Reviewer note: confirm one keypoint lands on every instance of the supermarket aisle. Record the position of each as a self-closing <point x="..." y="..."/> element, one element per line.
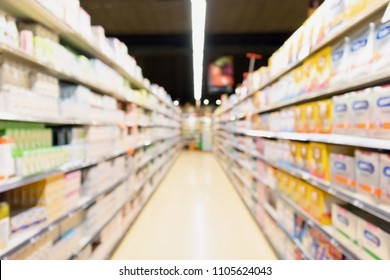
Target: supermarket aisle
<point x="195" y="214"/>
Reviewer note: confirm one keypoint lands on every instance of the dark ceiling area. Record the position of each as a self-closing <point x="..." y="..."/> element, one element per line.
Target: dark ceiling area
<point x="158" y="34"/>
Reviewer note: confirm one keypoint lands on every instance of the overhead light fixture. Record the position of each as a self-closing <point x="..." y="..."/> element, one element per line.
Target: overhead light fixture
<point x="198" y="16"/>
<point x="206" y="102"/>
<point x="218" y="102"/>
<point x="176" y="103"/>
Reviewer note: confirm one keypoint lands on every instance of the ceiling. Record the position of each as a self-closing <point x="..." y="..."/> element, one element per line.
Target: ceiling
<point x="158" y="34"/>
<point x="141" y="17"/>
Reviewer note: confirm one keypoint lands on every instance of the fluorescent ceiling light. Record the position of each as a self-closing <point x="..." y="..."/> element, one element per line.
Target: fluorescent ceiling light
<point x="176" y="103"/>
<point x="206" y="102"/>
<point x="198" y="16"/>
<point x="218" y="102"/>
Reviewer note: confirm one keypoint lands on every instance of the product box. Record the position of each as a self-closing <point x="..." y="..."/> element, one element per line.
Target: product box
<point x="309" y="73"/>
<point x="336" y="16"/>
<point x="381" y="112"/>
<point x="384" y="179"/>
<point x="312" y="117"/>
<point x="303" y="156"/>
<point x="342" y="167"/>
<point x="374" y="236"/>
<point x="294" y="153"/>
<point x="319" y="160"/>
<point x="4" y="224"/>
<point x="361" y="111"/>
<point x="341" y="114"/>
<point x="321" y="205"/>
<point x="300" y="118"/>
<point x="362" y="52"/>
<point x="367" y="172"/>
<point x="325" y="116"/>
<point x="322" y="68"/>
<point x="382" y="46"/>
<point x="340" y="62"/>
<point x="345" y="221"/>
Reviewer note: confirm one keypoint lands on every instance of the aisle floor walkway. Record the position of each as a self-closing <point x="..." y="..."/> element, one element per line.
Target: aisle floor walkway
<point x="195" y="214"/>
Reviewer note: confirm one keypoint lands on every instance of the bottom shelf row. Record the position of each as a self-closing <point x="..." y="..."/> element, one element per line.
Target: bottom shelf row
<point x="94" y="231"/>
<point x="296" y="234"/>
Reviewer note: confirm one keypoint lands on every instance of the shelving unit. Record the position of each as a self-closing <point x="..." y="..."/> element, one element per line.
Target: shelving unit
<point x="146" y="147"/>
<point x="246" y="125"/>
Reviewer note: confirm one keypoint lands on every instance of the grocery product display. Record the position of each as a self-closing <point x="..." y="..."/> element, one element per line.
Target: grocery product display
<point x="306" y="141"/>
<point x="85" y="139"/>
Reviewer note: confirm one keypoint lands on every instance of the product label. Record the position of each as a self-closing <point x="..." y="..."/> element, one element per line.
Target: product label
<point x="386" y="171"/>
<point x="342" y="219"/>
<point x="360" y="105"/>
<point x="383" y="102"/>
<point x="366" y="166"/>
<point x="383" y="32"/>
<point x="372" y="238"/>
<point x="337" y="55"/>
<point x="358" y="44"/>
<point x="339" y="108"/>
<point x="340" y="166"/>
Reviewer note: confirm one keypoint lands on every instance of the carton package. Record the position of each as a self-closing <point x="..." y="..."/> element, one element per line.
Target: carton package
<point x="325" y="112"/>
<point x="362" y="52"/>
<point x="321" y="205"/>
<point x="341" y="114"/>
<point x="345" y="221"/>
<point x="374" y="236"/>
<point x="367" y="172"/>
<point x="361" y="110"/>
<point x="384" y="179"/>
<point x="382" y="47"/>
<point x="319" y="160"/>
<point x="380" y="113"/>
<point x="342" y="167"/>
<point x="340" y="62"/>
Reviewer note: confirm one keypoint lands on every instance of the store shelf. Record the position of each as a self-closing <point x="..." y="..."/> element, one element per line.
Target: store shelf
<point x="146" y="125"/>
<point x="328" y="231"/>
<point x="381" y="211"/>
<point x="33" y="10"/>
<point x="111" y="252"/>
<point x="337" y="139"/>
<point x="338" y="35"/>
<point x="271" y="212"/>
<point x="20" y="118"/>
<point x="32" y="236"/>
<point x="19" y="182"/>
<point x="56" y="72"/>
<point x="89" y="239"/>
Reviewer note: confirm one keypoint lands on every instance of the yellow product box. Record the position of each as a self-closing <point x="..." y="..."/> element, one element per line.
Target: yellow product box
<point x="319" y="160"/>
<point x="303" y="156"/>
<point x="282" y="182"/>
<point x="294" y="153"/>
<point x="306" y="201"/>
<point x="325" y="116"/>
<point x="298" y="80"/>
<point x="309" y="73"/>
<point x="302" y="190"/>
<point x="292" y="186"/>
<point x="312" y="117"/>
<point x="4" y="224"/>
<point x="323" y="61"/>
<point x="300" y="118"/>
<point x="321" y="206"/>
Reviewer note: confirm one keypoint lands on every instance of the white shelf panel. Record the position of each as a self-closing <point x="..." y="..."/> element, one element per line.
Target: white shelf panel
<point x="338" y="139"/>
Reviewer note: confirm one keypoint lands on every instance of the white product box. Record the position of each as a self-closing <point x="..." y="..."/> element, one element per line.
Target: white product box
<point x="342" y="171"/>
<point x="345" y="221"/>
<point x="361" y="109"/>
<point x="382" y="47"/>
<point x="374" y="236"/>
<point x="385" y="177"/>
<point x="341" y="114"/>
<point x="367" y="172"/>
<point x="340" y="62"/>
<point x="381" y="112"/>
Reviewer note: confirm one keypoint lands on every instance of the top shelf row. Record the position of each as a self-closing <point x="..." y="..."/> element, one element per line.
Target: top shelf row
<point x="73" y="25"/>
<point x="333" y="21"/>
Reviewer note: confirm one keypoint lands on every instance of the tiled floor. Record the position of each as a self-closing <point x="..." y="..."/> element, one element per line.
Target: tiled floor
<point x="195" y="214"/>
